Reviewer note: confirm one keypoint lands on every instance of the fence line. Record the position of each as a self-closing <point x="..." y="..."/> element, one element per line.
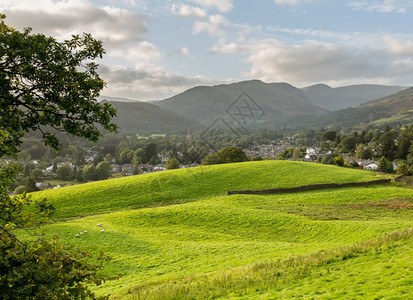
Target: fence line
<point x="311" y="187"/>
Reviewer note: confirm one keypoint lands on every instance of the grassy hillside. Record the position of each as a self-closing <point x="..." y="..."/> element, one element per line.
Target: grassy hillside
<point x="184" y="185"/>
<point x="146" y="118"/>
<point x="277" y="100"/>
<point x="347" y="96"/>
<point x="204" y="244"/>
<point x="397" y="108"/>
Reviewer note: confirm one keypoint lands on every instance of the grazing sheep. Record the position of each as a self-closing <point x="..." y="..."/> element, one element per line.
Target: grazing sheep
<point x="81" y="233"/>
<point x="85" y="231"/>
<point x="77" y="235"/>
<point x="103" y="230"/>
<point x="100" y="224"/>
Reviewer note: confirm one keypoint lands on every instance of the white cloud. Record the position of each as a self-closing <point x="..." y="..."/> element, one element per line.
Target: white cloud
<point x="221" y="5"/>
<point x="116" y="27"/>
<point x="147" y="83"/>
<point x="212" y="27"/>
<point x="312" y="62"/>
<point x="383" y="6"/>
<point x="187" y="11"/>
<point x="143" y="52"/>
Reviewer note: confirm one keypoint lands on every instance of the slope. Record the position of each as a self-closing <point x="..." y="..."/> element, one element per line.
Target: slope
<point x="169" y="187"/>
<point x="176" y="226"/>
<point x="397" y="108"/>
<point x="277" y="100"/>
<point x="347" y="96"/>
<point x="143" y="118"/>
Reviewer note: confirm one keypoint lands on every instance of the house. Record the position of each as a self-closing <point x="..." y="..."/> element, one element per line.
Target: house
<point x="127" y="169"/>
<point x="159" y="167"/>
<point x="43" y="186"/>
<point x="372" y="166"/>
<point x="311" y="154"/>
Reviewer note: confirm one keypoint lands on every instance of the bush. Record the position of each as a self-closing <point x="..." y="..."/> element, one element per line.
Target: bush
<point x="225" y="155"/>
<point x="339" y="161"/>
<point x="19" y="190"/>
<point x="172" y="163"/>
<point x="65" y="172"/>
<point x="402" y="169"/>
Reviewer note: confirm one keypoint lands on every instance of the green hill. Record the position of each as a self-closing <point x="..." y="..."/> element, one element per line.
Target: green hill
<point x="397" y="108"/>
<point x="146" y="118"/>
<point x="277" y="100"/>
<point x="347" y="96"/>
<point x="280" y="103"/>
<point x="175" y="235"/>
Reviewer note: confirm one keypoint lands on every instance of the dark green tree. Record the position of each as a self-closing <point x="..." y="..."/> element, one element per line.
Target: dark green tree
<point x="225" y="155"/>
<point x="172" y="163"/>
<point x="65" y="172"/>
<point x="37" y="174"/>
<point x="339" y="161"/>
<point x="89" y="173"/>
<point x="45" y="86"/>
<point x="349" y="143"/>
<point x="103" y="170"/>
<point x="329" y="135"/>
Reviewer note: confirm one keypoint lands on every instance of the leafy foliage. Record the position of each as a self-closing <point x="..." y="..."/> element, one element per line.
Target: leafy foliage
<point x="45" y="84"/>
<point x="226" y="155"/>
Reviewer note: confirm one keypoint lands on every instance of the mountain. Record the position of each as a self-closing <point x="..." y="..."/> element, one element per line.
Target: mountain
<point x="396" y="108"/>
<point x="269" y="100"/>
<point x="141" y="117"/>
<point x="275" y="104"/>
<point x="117" y="99"/>
<point x="348" y="96"/>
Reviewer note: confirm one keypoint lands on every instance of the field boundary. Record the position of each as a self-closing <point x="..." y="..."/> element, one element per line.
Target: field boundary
<point x="311" y="187"/>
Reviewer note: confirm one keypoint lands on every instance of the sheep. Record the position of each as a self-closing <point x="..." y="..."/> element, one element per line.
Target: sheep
<point x="77" y="235"/>
<point x="100" y="224"/>
<point x="85" y="231"/>
<point x="103" y="230"/>
<point x="81" y="233"/>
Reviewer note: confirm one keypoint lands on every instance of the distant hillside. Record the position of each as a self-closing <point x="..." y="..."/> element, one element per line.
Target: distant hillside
<point x="143" y="117"/>
<point x="397" y="108"/>
<point x="276" y="100"/>
<point x="281" y="103"/>
<point x="117" y="99"/>
<point x="347" y="96"/>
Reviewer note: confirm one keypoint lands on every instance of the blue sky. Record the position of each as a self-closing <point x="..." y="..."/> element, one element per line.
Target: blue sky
<point x="156" y="49"/>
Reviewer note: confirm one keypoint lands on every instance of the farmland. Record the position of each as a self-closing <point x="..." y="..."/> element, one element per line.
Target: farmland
<point x="175" y="233"/>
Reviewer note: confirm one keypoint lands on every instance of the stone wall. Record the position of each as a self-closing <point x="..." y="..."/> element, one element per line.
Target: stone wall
<point x="311" y="187"/>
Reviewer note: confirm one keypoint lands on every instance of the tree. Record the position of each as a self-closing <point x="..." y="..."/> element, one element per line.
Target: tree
<point x="103" y="170"/>
<point x="30" y="185"/>
<point x="385" y="165"/>
<point x="225" y="155"/>
<point x="172" y="163"/>
<point x="402" y="169"/>
<point x="45" y="85"/>
<point x="89" y="173"/>
<point x="349" y="143"/>
<point x="37" y="174"/>
<point x="65" y="172"/>
<point x="329" y="135"/>
<point x="387" y="144"/>
<point x="364" y="152"/>
<point x="339" y="161"/>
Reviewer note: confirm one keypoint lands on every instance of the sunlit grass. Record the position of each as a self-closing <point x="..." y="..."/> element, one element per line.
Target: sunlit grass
<point x="178" y="186"/>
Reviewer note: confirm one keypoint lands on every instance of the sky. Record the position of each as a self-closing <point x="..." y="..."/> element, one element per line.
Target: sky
<point x="156" y="49"/>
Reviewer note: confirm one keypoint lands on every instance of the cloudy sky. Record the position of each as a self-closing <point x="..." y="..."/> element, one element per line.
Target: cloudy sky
<point x="155" y="49"/>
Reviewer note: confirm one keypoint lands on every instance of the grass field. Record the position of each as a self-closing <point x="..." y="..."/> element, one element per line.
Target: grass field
<point x="175" y="235"/>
